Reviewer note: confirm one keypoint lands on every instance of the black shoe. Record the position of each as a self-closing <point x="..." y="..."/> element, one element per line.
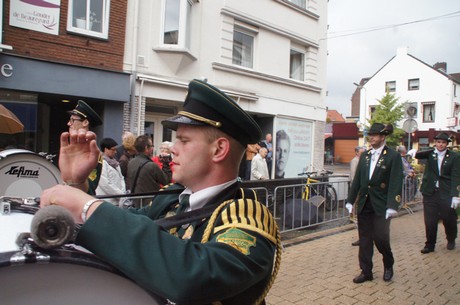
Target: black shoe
<point x="426" y="250"/>
<point x="451" y="245"/>
<point x="362" y="278"/>
<point x="388" y="274"/>
<point x="355" y="243"/>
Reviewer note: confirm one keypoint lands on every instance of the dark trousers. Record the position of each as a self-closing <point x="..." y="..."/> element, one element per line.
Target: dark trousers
<point x="373" y="229"/>
<point x="435" y="209"/>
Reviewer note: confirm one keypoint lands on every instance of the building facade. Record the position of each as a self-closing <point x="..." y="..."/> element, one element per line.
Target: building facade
<point x="267" y="55"/>
<point x="51" y="57"/>
<point x="430" y="96"/>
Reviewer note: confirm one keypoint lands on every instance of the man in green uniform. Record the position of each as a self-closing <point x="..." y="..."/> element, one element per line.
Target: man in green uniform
<point x="82" y="118"/>
<point x="376" y="189"/>
<point x="441" y="191"/>
<point x="226" y="251"/>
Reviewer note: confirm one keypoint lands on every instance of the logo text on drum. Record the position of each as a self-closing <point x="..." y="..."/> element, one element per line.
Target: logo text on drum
<point x="22" y="172"/>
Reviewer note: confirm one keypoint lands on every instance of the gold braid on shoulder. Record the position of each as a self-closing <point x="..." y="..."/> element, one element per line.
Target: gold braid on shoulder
<point x="258" y="219"/>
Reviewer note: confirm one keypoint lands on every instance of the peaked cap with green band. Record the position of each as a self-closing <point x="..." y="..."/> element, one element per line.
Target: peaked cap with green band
<point x="84" y="111"/>
<point x="207" y="105"/>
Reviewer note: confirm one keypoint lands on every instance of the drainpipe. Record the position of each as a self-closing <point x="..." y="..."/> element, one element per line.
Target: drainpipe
<point x="132" y="114"/>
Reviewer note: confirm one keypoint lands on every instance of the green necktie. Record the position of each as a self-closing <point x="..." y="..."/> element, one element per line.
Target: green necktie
<point x="183" y="204"/>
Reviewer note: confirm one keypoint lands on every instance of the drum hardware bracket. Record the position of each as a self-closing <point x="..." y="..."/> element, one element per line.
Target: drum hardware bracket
<point x="29" y="205"/>
<point x="27" y="251"/>
<point x="5" y="208"/>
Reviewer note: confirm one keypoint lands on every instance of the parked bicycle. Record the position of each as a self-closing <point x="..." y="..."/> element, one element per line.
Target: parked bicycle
<point x="318" y="191"/>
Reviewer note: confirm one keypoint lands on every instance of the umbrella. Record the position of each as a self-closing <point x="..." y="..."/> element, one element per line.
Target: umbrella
<point x="9" y="122"/>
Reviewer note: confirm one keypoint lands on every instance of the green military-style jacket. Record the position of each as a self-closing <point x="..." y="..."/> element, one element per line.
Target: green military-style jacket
<point x="385" y="186"/>
<point x="448" y="178"/>
<point x="233" y="266"/>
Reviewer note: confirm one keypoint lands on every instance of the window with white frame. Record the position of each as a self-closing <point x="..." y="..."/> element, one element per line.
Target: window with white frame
<point x="390" y="86"/>
<point x="89" y="17"/>
<point x="301" y="3"/>
<point x="176" y="23"/>
<point x="429" y="112"/>
<point x="414" y="84"/>
<point x="243" y="47"/>
<point x="297" y="65"/>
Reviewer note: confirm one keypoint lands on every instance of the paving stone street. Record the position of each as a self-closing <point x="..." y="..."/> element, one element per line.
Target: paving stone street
<point x="319" y="268"/>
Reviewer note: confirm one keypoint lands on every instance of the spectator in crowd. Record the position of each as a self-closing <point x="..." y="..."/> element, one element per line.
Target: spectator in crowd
<point x="251" y="151"/>
<point x="283" y="147"/>
<point x="259" y="169"/>
<point x="410" y="184"/>
<point x="378" y="184"/>
<point x="112" y="181"/>
<point x="441" y="191"/>
<point x="164" y="156"/>
<point x="127" y="142"/>
<point x="82" y="117"/>
<point x="267" y="143"/>
<point x="126" y="152"/>
<point x="353" y="165"/>
<point x="228" y="254"/>
<point x="144" y="175"/>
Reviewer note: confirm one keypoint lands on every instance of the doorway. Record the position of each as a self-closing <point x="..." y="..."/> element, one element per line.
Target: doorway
<point x="157" y="132"/>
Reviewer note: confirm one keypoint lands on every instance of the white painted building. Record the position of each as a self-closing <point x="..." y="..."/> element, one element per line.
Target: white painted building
<point x="269" y="55"/>
<point x="431" y="96"/>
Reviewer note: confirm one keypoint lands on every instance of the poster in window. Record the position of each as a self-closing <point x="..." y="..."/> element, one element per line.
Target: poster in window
<point x="293" y="147"/>
<point x="36" y="15"/>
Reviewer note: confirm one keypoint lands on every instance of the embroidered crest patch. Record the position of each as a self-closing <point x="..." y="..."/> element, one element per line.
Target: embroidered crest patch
<point x="237" y="239"/>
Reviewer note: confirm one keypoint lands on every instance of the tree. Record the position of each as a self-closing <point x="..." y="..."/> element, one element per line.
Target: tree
<point x="389" y="111"/>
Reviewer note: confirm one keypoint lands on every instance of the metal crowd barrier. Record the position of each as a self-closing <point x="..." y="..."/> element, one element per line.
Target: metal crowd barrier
<point x="293" y="209"/>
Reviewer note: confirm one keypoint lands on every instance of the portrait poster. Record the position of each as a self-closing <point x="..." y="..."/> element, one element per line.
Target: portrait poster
<point x="36" y="15"/>
<point x="292" y="147"/>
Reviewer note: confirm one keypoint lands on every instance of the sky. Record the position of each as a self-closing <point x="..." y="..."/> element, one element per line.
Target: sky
<point x="353" y="57"/>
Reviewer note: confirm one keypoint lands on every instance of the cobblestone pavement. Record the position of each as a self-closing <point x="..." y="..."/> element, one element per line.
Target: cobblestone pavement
<point x="318" y="269"/>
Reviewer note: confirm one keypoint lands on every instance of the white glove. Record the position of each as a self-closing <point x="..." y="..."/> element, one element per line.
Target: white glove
<point x="349" y="207"/>
<point x="455" y="202"/>
<point x="391" y="213"/>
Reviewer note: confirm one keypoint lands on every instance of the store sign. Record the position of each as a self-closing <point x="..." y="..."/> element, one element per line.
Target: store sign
<point x="6" y="70"/>
<point x="452" y="122"/>
<point x="36" y="15"/>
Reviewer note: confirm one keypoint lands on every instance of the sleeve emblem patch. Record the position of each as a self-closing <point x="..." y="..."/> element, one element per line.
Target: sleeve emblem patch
<point x="237" y="239"/>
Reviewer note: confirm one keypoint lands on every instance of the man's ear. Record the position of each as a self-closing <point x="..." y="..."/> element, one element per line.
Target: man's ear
<point x="85" y="123"/>
<point x="221" y="149"/>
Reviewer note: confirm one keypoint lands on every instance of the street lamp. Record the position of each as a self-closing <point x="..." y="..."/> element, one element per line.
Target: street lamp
<point x="362" y="119"/>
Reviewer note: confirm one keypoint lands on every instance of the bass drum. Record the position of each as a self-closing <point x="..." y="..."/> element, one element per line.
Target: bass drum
<point x="26" y="174"/>
<point x="66" y="277"/>
<point x="11" y="225"/>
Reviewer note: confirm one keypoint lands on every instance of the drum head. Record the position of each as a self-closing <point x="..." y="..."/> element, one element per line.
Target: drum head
<point x="26" y="174"/>
<point x="73" y="281"/>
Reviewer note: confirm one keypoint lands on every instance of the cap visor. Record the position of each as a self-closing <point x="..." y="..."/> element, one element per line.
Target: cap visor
<point x="174" y="121"/>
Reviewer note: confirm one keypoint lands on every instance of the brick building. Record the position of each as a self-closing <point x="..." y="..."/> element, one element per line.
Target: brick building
<point x="51" y="57"/>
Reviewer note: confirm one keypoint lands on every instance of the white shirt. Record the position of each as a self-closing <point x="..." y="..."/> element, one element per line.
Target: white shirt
<point x="375" y="155"/>
<point x="201" y="198"/>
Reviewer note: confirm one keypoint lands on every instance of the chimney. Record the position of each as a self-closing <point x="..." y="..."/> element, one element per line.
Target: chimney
<point x="441" y="66"/>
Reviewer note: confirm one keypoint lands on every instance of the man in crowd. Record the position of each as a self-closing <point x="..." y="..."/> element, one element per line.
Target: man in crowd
<point x="259" y="168"/>
<point x="82" y="118"/>
<point x="144" y="175"/>
<point x="441" y="191"/>
<point x="378" y="184"/>
<point x="267" y="143"/>
<point x="225" y="251"/>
